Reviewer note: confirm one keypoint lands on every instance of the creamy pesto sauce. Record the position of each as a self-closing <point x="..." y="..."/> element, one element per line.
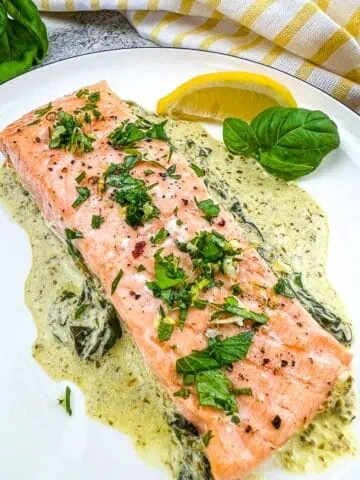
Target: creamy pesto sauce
<point x="280" y="218"/>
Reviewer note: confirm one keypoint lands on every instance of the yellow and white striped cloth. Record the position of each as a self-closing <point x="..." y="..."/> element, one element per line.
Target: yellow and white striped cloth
<point x="317" y="41"/>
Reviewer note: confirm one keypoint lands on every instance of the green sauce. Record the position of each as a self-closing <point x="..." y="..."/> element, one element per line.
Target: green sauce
<point x="291" y="232"/>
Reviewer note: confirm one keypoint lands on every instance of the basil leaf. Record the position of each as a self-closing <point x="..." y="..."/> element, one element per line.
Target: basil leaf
<point x="84" y="194"/>
<point x="293" y="141"/>
<point x="168" y="274"/>
<point x="209" y="208"/>
<point x="213" y="388"/>
<point x="239" y="137"/>
<point x="231" y="307"/>
<point x="116" y="281"/>
<point x="97" y="221"/>
<point x="23" y="37"/>
<point x="199" y="171"/>
<point x="218" y="354"/>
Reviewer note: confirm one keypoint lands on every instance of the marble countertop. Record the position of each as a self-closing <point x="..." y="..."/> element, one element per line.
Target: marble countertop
<point x="84" y="32"/>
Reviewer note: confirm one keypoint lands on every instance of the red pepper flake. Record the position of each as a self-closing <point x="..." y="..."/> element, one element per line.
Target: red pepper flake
<point x="139" y="249"/>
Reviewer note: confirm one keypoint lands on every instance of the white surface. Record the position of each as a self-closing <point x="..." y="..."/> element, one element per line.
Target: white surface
<point x="38" y="441"/>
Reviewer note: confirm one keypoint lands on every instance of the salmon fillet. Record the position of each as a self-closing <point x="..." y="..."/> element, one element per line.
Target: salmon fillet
<point x="292" y="365"/>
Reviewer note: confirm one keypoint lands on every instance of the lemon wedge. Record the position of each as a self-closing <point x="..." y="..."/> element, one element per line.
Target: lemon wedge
<point x="216" y="96"/>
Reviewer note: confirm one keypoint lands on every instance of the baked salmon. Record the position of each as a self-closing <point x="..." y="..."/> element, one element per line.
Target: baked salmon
<point x="142" y="221"/>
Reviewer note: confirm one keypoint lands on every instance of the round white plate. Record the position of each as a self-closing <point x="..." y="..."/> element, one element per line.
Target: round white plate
<point x="38" y="441"/>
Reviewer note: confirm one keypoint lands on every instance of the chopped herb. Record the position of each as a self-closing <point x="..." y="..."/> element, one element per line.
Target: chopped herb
<point x="83" y="195"/>
<point x="72" y="234"/>
<point x="141" y="268"/>
<point x="93" y="97"/>
<point x="182" y="393"/>
<point x="218" y="354"/>
<point x="80" y="177"/>
<point x="116" y="281"/>
<point x="209" y="208"/>
<point x="65" y="401"/>
<point x="82" y="92"/>
<point x="128" y="133"/>
<point x="214" y="389"/>
<point x="87" y="117"/>
<point x="148" y="172"/>
<point x="242" y="391"/>
<point x="204" y="152"/>
<point x="199" y="171"/>
<point x="171" y="172"/>
<point x="236" y="289"/>
<point x="97" y="221"/>
<point x="284" y="288"/>
<point x="207" y="437"/>
<point x="161" y="235"/>
<point x="175" y="211"/>
<point x="179" y="222"/>
<point x="235" y="419"/>
<point x="67" y="133"/>
<point x="79" y="311"/>
<point x="34" y="122"/>
<point x="231" y="307"/>
<point x="43" y="111"/>
<point x="165" y="327"/>
<point x="168" y="274"/>
<point x="157" y="131"/>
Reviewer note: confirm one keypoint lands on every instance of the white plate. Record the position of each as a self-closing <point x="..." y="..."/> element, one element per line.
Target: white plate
<point x="37" y="441"/>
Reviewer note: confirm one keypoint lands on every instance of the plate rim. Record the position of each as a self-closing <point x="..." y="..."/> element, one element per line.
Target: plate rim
<point x="121" y="49"/>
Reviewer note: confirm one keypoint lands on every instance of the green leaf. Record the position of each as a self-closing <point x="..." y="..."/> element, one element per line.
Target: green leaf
<point x="199" y="171"/>
<point x="242" y="391"/>
<point x="293" y="141"/>
<point x="23" y="38"/>
<point x="231" y="307"/>
<point x="43" y="111"/>
<point x="171" y="172"/>
<point x="165" y="327"/>
<point x="79" y="311"/>
<point x="214" y="390"/>
<point x="67" y="133"/>
<point x="207" y="437"/>
<point x="116" y="281"/>
<point x="236" y="289"/>
<point x="65" y="401"/>
<point x="182" y="393"/>
<point x="209" y="208"/>
<point x="284" y="288"/>
<point x="97" y="221"/>
<point x="239" y="137"/>
<point x="84" y="194"/>
<point x="72" y="234"/>
<point x="157" y="131"/>
<point x="168" y="274"/>
<point x="161" y="235"/>
<point x="218" y="354"/>
<point x="80" y="177"/>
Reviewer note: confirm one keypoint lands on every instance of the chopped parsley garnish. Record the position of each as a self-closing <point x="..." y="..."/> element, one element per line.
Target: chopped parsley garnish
<point x="97" y="221"/>
<point x="235" y="419"/>
<point x="161" y="235"/>
<point x="83" y="195"/>
<point x="141" y="268"/>
<point x="165" y="327"/>
<point x="231" y="308"/>
<point x="129" y="133"/>
<point x="80" y="177"/>
<point x="82" y="92"/>
<point x="72" y="234"/>
<point x="199" y="171"/>
<point x="284" y="288"/>
<point x="148" y="172"/>
<point x="203" y="369"/>
<point x="65" y="401"/>
<point x="179" y="222"/>
<point x="236" y="289"/>
<point x="243" y="391"/>
<point x="210" y="253"/>
<point x="93" y="97"/>
<point x="171" y="286"/>
<point x="182" y="393"/>
<point x="207" y="437"/>
<point x="43" y="111"/>
<point x="209" y="208"/>
<point x="116" y="281"/>
<point x="67" y="133"/>
<point x="171" y="172"/>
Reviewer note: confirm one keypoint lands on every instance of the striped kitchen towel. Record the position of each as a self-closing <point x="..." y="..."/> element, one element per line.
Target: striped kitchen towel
<point x="317" y="41"/>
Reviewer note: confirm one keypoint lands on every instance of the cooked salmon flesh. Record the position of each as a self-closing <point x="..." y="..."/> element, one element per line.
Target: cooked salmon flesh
<point x="180" y="273"/>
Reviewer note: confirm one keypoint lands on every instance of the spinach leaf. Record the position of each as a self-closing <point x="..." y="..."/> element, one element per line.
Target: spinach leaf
<point x="239" y="137"/>
<point x="290" y="142"/>
<point x="23" y="37"/>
